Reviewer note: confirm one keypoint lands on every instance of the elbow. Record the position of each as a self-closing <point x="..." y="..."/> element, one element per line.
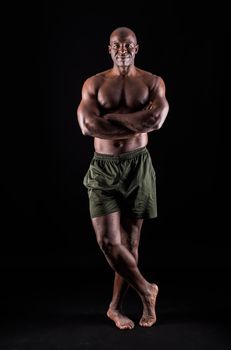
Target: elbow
<point x="157" y="126"/>
<point x="85" y="127"/>
<point x="85" y="132"/>
<point x="159" y="120"/>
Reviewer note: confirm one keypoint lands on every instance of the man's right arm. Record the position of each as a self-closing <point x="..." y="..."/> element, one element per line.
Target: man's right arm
<point x="91" y="122"/>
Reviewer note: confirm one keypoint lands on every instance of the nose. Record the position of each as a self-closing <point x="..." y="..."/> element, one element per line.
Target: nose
<point x="123" y="48"/>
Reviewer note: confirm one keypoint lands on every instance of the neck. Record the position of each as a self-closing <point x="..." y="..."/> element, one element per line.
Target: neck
<point x="124" y="70"/>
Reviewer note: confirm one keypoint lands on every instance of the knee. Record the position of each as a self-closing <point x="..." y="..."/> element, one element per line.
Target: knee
<point x="106" y="245"/>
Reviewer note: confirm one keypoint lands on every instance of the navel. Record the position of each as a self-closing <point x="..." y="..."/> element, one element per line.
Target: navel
<point x="118" y="144"/>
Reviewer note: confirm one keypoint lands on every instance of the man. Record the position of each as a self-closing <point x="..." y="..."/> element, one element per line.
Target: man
<point x="119" y="107"/>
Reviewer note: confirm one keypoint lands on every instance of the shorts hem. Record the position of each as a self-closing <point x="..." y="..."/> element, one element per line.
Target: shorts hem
<point x="104" y="214"/>
<point x="144" y="217"/>
<point x="136" y="216"/>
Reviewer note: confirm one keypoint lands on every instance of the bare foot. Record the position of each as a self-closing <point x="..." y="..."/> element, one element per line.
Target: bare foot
<point x="121" y="321"/>
<point x="149" y="314"/>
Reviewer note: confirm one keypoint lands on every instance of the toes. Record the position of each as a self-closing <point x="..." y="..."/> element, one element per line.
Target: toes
<point x="126" y="326"/>
<point x="147" y="323"/>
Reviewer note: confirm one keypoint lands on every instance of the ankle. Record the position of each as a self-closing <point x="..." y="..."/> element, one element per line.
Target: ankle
<point x="114" y="306"/>
<point x="147" y="291"/>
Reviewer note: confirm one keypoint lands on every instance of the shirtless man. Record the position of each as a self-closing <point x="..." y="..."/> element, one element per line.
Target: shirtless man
<point x="119" y="107"/>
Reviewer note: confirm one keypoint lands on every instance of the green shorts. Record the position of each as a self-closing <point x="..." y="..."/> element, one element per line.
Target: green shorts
<point x="125" y="183"/>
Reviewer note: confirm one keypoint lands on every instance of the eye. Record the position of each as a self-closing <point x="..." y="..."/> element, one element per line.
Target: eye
<point x="130" y="46"/>
<point x="115" y="46"/>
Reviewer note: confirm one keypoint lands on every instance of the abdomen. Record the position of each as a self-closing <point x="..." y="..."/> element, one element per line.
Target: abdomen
<point x="116" y="147"/>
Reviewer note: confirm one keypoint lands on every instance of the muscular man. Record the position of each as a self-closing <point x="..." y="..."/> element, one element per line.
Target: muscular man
<point x="119" y="107"/>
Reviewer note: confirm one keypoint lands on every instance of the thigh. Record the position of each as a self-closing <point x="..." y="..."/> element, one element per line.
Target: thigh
<point x="107" y="228"/>
<point x="130" y="231"/>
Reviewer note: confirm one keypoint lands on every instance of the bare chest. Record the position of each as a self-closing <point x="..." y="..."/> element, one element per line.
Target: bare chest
<point x="122" y="92"/>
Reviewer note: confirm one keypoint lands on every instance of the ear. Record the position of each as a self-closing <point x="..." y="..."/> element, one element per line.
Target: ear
<point x="136" y="48"/>
<point x="109" y="49"/>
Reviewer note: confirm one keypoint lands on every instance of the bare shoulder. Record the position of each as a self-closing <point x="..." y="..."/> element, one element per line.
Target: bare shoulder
<point x="91" y="81"/>
<point x="151" y="79"/>
<point x="92" y="84"/>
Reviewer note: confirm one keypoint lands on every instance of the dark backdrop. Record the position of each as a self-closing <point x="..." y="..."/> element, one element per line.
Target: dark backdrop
<point x="46" y="224"/>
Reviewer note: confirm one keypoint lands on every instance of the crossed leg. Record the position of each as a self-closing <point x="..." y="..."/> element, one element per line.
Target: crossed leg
<point x="130" y="229"/>
<point x="119" y="240"/>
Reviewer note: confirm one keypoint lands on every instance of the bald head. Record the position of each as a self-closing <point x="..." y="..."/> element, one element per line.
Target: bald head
<point x="123" y="47"/>
<point x="122" y="33"/>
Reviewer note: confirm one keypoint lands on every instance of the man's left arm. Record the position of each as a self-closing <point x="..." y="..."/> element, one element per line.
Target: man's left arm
<point x="151" y="117"/>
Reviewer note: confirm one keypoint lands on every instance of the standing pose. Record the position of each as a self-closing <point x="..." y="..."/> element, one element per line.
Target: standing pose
<point x="119" y="107"/>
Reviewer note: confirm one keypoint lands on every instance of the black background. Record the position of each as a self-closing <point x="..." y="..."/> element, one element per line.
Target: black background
<point x="55" y="281"/>
<point x="50" y="51"/>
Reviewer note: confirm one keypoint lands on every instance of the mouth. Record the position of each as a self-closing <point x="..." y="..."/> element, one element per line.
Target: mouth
<point x="123" y="58"/>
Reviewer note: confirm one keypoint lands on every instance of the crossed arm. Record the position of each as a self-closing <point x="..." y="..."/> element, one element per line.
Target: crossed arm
<point x="121" y="126"/>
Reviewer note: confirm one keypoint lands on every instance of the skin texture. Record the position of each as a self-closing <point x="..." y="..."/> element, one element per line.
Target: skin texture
<point x="119" y="108"/>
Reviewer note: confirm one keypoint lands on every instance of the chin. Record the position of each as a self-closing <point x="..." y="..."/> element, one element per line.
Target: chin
<point x="124" y="64"/>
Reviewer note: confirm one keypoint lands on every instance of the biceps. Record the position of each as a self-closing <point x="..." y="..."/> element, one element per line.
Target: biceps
<point x="158" y="103"/>
<point x="87" y="113"/>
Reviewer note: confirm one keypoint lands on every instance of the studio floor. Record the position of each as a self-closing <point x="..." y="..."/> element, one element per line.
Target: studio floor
<point x="51" y="317"/>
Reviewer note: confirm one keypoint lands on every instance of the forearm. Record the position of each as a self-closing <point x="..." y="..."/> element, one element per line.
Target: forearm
<point x="139" y="122"/>
<point x="107" y="129"/>
<point x="149" y="119"/>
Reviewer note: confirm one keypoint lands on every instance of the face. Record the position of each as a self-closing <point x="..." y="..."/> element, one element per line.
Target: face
<point x="123" y="48"/>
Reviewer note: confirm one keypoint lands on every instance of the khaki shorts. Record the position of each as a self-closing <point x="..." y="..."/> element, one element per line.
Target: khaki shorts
<point x="125" y="183"/>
